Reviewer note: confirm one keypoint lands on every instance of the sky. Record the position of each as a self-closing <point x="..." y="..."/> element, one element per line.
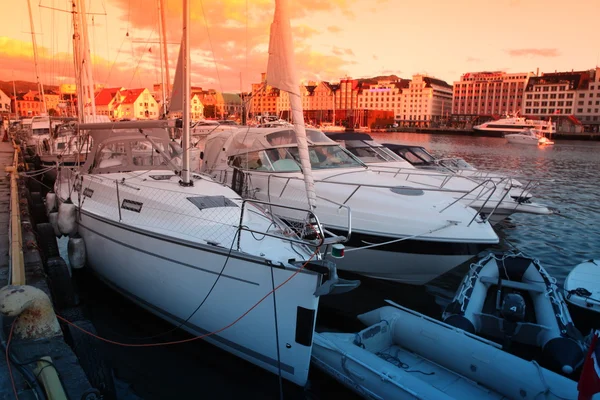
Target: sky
<point x="333" y="39"/>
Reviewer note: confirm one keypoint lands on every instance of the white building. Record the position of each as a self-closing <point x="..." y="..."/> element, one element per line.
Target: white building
<point x="425" y="102"/>
<point x="384" y="95"/>
<point x="587" y="106"/>
<point x="4" y="103"/>
<point x="489" y="93"/>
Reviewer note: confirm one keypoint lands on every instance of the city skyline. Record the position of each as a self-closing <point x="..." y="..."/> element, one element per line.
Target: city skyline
<point x="333" y="39"/>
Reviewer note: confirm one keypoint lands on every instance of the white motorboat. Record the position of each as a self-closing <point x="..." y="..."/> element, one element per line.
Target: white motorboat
<point x="406" y="355"/>
<point x="400" y="231"/>
<point x="512" y="299"/>
<point x="582" y="293"/>
<point x="514" y="124"/>
<point x="528" y="136"/>
<point x="206" y="127"/>
<point x="188" y="249"/>
<point x="489" y="197"/>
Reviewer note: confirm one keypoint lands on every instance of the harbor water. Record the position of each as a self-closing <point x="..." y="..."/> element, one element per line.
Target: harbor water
<point x="568" y="183"/>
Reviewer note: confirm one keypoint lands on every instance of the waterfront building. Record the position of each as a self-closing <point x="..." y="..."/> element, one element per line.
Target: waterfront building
<point x="107" y="101"/>
<point x="425" y="102"/>
<point x="385" y="95"/>
<point x="228" y="105"/>
<point x="587" y="107"/>
<point x="346" y="101"/>
<point x="5" y="104"/>
<point x="562" y="96"/>
<point x="28" y="104"/>
<point x="264" y="98"/>
<point x="488" y="94"/>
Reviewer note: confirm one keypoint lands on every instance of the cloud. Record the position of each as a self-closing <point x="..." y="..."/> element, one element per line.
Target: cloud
<point x="342" y="52"/>
<point x="473" y="59"/>
<point x="533" y="52"/>
<point x="231" y="39"/>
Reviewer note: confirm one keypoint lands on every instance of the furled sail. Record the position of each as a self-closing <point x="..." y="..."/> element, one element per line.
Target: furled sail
<point x="282" y="74"/>
<point x="176" y="104"/>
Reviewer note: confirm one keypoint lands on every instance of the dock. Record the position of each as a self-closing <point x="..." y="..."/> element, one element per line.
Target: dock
<point x="42" y="363"/>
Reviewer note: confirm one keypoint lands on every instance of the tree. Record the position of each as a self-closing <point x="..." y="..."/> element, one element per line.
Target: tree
<point x="52" y="112"/>
<point x="210" y="111"/>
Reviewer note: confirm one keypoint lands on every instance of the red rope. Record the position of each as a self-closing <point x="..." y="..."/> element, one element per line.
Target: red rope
<point x="12" y="380"/>
<point x="196" y="337"/>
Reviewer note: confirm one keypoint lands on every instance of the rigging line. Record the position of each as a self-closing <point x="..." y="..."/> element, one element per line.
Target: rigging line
<point x="212" y="50"/>
<point x="115" y="60"/>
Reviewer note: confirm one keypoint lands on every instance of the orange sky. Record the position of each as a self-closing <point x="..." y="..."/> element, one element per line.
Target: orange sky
<point x="333" y="38"/>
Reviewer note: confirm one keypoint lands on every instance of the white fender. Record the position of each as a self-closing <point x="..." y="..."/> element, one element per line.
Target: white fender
<point x="67" y="218"/>
<point x="53" y="219"/>
<point x="76" y="251"/>
<point x="50" y="202"/>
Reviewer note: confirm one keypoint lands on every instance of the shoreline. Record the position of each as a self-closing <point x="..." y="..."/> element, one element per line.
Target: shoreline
<point x="470" y="132"/>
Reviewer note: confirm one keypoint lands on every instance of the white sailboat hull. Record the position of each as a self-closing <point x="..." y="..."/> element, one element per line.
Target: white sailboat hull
<point x="171" y="278"/>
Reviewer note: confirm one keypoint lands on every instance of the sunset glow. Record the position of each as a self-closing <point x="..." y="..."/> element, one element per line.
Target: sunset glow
<point x="334" y="38"/>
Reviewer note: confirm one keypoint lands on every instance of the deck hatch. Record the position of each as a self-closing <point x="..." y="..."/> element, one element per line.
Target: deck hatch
<point x="87" y="192"/>
<point x="203" y="202"/>
<point x="161" y="177"/>
<point x="131" y="205"/>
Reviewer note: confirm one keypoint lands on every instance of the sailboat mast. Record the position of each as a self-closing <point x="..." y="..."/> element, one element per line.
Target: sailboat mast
<point x="185" y="137"/>
<point x="35" y="58"/>
<point x="87" y="59"/>
<point x="163" y="57"/>
<point x="77" y="60"/>
<point x="163" y="30"/>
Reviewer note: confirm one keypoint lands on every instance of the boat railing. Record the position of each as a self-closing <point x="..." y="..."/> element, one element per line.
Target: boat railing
<point x="166" y="211"/>
<point x="359" y="186"/>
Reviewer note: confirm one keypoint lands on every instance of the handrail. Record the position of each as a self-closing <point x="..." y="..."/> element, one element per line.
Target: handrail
<point x="17" y="267"/>
<point x="320" y="232"/>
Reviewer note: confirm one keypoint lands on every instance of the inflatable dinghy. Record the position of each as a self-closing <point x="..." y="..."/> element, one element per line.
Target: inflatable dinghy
<point x="511" y="299"/>
<point x="582" y="292"/>
<point x="407" y="355"/>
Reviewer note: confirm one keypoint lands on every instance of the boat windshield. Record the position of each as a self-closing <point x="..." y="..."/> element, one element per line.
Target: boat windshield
<point x="284" y="137"/>
<point x="286" y="159"/>
<point x="416" y="155"/>
<point x="40" y="131"/>
<point x="131" y="155"/>
<point x="369" y="151"/>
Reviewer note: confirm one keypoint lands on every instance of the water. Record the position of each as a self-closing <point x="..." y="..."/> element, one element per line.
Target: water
<point x="196" y="369"/>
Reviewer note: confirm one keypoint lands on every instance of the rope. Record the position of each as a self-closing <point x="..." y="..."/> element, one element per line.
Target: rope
<point x="401" y="239"/>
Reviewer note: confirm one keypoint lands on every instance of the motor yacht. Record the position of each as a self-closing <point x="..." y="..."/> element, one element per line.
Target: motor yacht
<point x="528" y="136"/>
<point x="401" y="231"/>
<point x="514" y="124"/>
<point x="489" y="198"/>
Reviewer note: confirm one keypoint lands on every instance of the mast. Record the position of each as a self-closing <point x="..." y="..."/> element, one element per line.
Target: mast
<point x="87" y="59"/>
<point x="163" y="31"/>
<point x="185" y="137"/>
<point x="163" y="57"/>
<point x="35" y="58"/>
<point x="282" y="74"/>
<point x="78" y="63"/>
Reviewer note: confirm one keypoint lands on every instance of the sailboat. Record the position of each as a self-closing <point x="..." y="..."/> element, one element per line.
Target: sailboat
<point x="62" y="145"/>
<point x="190" y="250"/>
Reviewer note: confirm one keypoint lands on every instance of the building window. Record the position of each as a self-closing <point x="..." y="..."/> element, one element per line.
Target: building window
<point x="536" y="111"/>
<point x="580" y="110"/>
<point x="527" y="110"/>
<point x="581" y="95"/>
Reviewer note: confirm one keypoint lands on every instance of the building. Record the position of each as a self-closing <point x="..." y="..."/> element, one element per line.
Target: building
<point x="264" y="98"/>
<point x="587" y="108"/>
<point x="5" y="104"/>
<point x="196" y="107"/>
<point x="53" y="103"/>
<point x="488" y="94"/>
<point x="384" y="95"/>
<point x="228" y="105"/>
<point x="107" y="101"/>
<point x="137" y="104"/>
<point x="346" y="101"/>
<point x="425" y="102"/>
<point x="27" y="104"/>
<point x="562" y="96"/>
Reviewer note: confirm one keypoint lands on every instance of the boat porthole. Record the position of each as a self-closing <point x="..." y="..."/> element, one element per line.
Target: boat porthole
<point x="473" y="368"/>
<point x="288" y="346"/>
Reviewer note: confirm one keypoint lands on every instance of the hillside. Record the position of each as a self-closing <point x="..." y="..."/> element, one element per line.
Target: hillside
<point x="22" y="86"/>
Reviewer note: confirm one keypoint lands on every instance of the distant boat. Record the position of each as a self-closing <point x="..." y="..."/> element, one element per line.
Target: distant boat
<point x="514" y="124"/>
<point x="529" y="136"/>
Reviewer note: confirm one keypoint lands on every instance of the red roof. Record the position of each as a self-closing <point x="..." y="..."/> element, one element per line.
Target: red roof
<point x="105" y="96"/>
<point x="131" y="95"/>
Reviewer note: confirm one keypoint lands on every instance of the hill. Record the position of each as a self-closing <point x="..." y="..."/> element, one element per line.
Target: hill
<point x="23" y="86"/>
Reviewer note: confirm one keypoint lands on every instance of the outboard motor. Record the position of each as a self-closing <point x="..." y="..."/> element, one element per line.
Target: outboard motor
<point x="513" y="312"/>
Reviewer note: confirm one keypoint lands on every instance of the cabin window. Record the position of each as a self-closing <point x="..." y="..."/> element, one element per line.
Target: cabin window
<point x="144" y="154"/>
<point x="113" y="154"/>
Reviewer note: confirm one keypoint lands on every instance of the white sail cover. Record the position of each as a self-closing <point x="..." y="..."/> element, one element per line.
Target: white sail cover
<point x="282" y="74"/>
<point x="176" y="104"/>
